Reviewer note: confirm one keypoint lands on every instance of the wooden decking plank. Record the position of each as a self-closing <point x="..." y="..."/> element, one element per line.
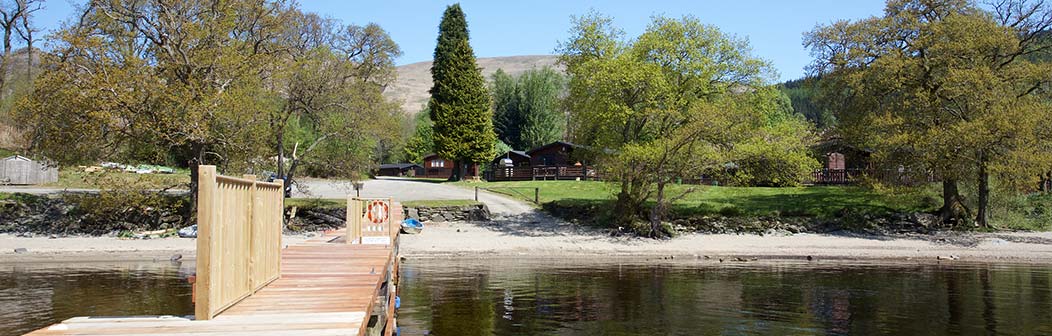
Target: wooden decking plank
<point x="326" y="287"/>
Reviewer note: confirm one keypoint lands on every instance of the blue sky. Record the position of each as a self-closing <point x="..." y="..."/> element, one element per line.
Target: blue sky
<point x="507" y="28"/>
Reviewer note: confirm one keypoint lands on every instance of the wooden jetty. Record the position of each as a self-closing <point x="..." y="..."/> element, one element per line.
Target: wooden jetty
<point x="330" y="285"/>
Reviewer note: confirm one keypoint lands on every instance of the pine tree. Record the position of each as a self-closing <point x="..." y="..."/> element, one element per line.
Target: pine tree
<point x="460" y="105"/>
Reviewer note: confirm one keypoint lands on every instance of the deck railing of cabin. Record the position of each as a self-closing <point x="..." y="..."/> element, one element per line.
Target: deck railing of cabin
<point x="498" y="173"/>
<point x="239" y="224"/>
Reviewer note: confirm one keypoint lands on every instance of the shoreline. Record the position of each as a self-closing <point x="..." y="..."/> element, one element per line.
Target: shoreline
<point x="461" y="240"/>
<point x="474" y="240"/>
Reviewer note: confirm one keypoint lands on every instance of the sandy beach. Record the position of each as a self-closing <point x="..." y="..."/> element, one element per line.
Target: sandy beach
<point x="88" y="249"/>
<point x="474" y="240"/>
<point x="490" y="240"/>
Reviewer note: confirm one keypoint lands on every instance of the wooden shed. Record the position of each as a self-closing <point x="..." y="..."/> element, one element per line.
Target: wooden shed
<point x="398" y="169"/>
<point x="21" y="170"/>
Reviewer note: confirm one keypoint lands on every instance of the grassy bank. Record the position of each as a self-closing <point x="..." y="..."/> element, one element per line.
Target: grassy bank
<point x="732" y="201"/>
<point x="76" y="178"/>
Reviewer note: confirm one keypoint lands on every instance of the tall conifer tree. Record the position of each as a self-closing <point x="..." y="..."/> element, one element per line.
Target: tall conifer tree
<point x="460" y="106"/>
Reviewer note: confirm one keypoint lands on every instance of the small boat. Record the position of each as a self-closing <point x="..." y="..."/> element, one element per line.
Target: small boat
<point x="412" y="226"/>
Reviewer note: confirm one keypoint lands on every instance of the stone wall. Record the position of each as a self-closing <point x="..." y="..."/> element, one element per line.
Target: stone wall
<point x="477" y="212"/>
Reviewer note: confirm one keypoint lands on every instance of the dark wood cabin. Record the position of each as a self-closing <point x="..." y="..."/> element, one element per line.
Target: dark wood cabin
<point x="437" y="167"/>
<point x="559" y="153"/>
<point x="399" y="169"/>
<point x="554" y="161"/>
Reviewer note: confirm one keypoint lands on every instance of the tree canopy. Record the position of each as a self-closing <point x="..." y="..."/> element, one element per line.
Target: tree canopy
<point x="460" y="105"/>
<point x="944" y="87"/>
<point x="670" y="104"/>
<point x="527" y="109"/>
<point x="232" y="83"/>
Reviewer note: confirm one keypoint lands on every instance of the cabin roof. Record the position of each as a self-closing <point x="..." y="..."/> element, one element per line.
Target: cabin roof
<point x="399" y="165"/>
<point x="553" y="144"/>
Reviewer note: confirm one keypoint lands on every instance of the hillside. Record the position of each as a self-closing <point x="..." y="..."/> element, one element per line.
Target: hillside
<point x="414" y="80"/>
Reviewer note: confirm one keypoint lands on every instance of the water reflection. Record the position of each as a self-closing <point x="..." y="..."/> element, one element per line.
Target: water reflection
<point x="33" y="296"/>
<point x="505" y="297"/>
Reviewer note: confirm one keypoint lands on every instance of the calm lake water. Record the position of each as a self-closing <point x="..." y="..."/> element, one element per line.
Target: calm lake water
<point x="33" y="296"/>
<point x="546" y="297"/>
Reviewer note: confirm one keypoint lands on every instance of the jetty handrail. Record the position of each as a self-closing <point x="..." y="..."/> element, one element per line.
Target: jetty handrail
<point x="361" y="229"/>
<point x="239" y="224"/>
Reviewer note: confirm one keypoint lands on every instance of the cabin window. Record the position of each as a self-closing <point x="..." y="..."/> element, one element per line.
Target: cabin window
<point x="438" y="163"/>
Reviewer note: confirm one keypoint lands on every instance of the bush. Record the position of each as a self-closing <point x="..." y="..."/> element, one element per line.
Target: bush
<point x="1015" y="211"/>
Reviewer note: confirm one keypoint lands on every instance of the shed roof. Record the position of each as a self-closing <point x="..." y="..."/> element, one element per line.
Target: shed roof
<point x="17" y="157"/>
<point x="399" y="165"/>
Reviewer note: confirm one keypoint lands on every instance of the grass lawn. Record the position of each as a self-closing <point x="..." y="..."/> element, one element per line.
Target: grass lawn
<point x="732" y="201"/>
<point x="76" y="178"/>
<point x="438" y="203"/>
<point x="326" y="203"/>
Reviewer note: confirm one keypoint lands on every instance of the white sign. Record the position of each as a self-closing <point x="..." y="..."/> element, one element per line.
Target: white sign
<point x="376" y="240"/>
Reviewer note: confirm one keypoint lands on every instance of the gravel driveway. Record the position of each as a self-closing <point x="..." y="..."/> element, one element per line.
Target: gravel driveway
<point x="410" y="190"/>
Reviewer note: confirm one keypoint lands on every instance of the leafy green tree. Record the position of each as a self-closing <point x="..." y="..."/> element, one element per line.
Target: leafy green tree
<point x="527" y="108"/>
<point x="777" y="152"/>
<point x="420" y="143"/>
<point x="507" y="122"/>
<point x="183" y="76"/>
<point x="669" y="104"/>
<point x="803" y="93"/>
<point x="946" y="87"/>
<point x="330" y="81"/>
<point x="460" y="106"/>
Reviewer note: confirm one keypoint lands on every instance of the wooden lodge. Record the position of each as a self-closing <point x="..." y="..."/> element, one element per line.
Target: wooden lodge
<point x="437" y="167"/>
<point x="554" y="161"/>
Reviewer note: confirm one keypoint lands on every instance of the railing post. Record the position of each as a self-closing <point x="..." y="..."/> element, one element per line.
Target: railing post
<point x="476" y="194"/>
<point x="536" y="195"/>
<point x="354" y="219"/>
<point x="281" y="230"/>
<point x="206" y="190"/>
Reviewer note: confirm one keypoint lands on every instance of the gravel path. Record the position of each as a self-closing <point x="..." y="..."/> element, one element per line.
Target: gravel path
<point x="412" y="190"/>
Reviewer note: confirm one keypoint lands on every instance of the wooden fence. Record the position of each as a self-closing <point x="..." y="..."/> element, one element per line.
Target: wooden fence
<point x="239" y="224"/>
<point x="369" y="221"/>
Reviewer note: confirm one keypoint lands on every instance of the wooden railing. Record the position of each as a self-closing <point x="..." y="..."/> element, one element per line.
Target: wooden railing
<point x="371" y="221"/>
<point x="239" y="224"/>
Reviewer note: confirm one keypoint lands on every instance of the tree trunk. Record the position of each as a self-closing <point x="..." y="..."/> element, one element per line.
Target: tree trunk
<point x="457" y="171"/>
<point x="657" y="213"/>
<point x="627" y="208"/>
<point x="280" y="138"/>
<point x="952" y="204"/>
<point x="195" y="163"/>
<point x="287" y="188"/>
<point x="982" y="214"/>
<point x="7" y="56"/>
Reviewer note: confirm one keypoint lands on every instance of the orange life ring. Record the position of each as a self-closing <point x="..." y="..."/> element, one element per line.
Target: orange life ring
<point x="377" y="212"/>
